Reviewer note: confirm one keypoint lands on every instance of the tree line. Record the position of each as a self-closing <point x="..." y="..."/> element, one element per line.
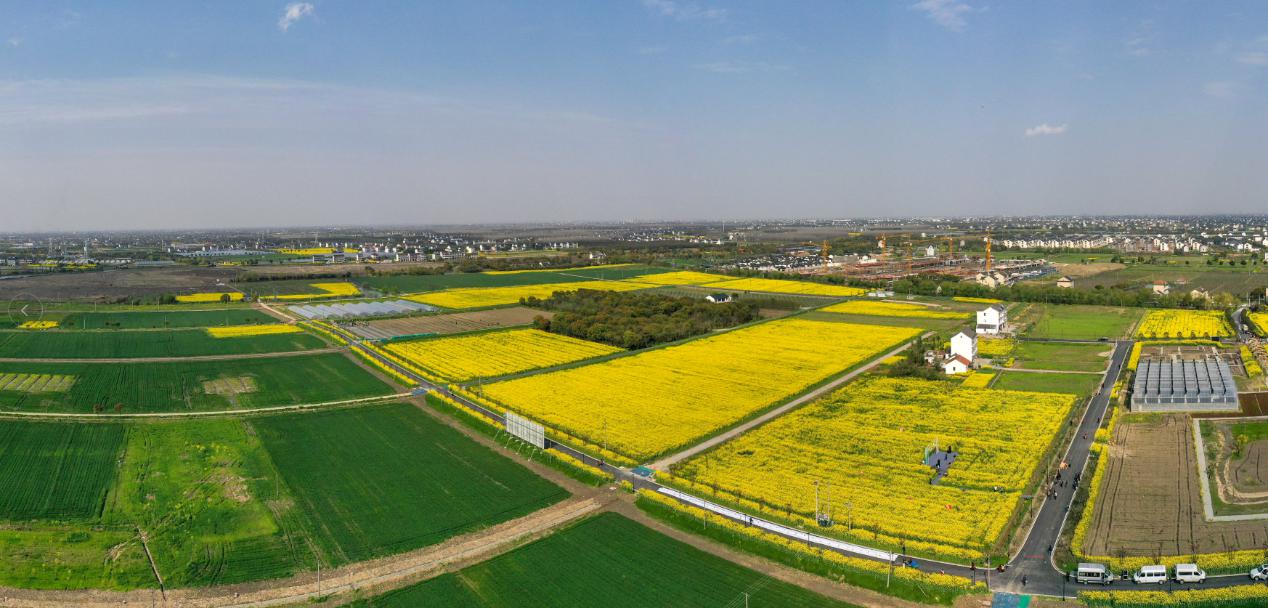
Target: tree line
<point x="634" y="320"/>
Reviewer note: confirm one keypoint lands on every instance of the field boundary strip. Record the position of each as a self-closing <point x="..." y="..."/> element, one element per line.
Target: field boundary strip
<point x="1208" y="508"/>
<point x="178" y="359"/>
<point x="204" y="414"/>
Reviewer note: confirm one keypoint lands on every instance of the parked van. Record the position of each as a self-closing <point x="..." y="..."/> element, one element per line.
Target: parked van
<point x="1150" y="574"/>
<point x="1189" y="573"/>
<point x="1093" y="574"/>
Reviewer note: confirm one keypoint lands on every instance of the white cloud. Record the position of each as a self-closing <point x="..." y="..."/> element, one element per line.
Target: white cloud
<point x="740" y="67"/>
<point x="293" y="13"/>
<point x="15" y="42"/>
<point x="1223" y="89"/>
<point x="1045" y="129"/>
<point x="947" y="13"/>
<point x="1140" y="41"/>
<point x="1259" y="58"/>
<point x="684" y="12"/>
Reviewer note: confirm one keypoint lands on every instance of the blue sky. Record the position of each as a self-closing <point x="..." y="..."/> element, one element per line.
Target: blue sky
<point x="179" y="114"/>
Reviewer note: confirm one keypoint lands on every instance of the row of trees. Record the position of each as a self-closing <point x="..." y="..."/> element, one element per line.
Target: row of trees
<point x="634" y="320"/>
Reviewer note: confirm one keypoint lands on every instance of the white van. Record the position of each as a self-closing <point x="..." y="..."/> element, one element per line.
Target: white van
<point x="1189" y="573"/>
<point x="1093" y="574"/>
<point x="1150" y="574"/>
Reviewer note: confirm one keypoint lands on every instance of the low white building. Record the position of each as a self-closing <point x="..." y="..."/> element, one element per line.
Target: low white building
<point x="956" y="365"/>
<point x="1065" y="282"/>
<point x="992" y="319"/>
<point x="964" y="344"/>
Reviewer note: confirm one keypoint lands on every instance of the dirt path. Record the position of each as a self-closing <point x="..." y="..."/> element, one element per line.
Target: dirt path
<point x="273" y="312"/>
<point x="289" y="353"/>
<point x="664" y="463"/>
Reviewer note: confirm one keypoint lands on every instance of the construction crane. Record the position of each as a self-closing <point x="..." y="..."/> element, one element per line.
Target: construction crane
<point x="881" y="243"/>
<point x="908" y="257"/>
<point x="826" y="254"/>
<point x="950" y="247"/>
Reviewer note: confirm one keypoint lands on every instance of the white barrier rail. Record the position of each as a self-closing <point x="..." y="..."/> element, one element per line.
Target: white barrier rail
<point x="800" y="535"/>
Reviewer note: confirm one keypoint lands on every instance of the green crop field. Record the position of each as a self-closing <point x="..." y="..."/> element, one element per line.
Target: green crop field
<point x="167" y="319"/>
<point x="116" y="344"/>
<point x="414" y="283"/>
<point x="1078" y="322"/>
<point x="387" y="479"/>
<point x="197" y="385"/>
<point x="1077" y="384"/>
<point x="285" y="287"/>
<point x="56" y="471"/>
<point x="1061" y="356"/>
<point x="201" y="489"/>
<point x="607" y="561"/>
<point x="73" y="557"/>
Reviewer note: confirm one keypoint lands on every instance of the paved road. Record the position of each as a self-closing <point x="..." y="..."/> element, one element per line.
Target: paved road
<point x="664" y="463"/>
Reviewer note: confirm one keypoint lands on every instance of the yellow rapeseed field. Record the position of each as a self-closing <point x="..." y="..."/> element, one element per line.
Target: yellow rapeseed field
<point x="647" y="404"/>
<point x="867" y="442"/>
<point x="978" y="379"/>
<point x="328" y="290"/>
<point x="682" y="277"/>
<point x="496" y="353"/>
<point x="38" y="325"/>
<point x="534" y="270"/>
<point x="204" y="297"/>
<point x="1171" y="323"/>
<point x="1260" y="321"/>
<point x="475" y="297"/>
<point x="241" y="331"/>
<point x="308" y="251"/>
<point x="894" y="309"/>
<point x="783" y="286"/>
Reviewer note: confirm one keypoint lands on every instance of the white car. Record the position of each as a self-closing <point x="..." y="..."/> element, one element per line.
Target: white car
<point x="1259" y="573"/>
<point x="1189" y="573"/>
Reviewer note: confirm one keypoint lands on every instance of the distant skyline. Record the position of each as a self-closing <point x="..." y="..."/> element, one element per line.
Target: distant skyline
<point x="157" y="115"/>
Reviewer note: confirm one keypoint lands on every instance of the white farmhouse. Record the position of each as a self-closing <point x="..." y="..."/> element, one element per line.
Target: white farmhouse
<point x="956" y="365"/>
<point x="964" y="344"/>
<point x="991" y="319"/>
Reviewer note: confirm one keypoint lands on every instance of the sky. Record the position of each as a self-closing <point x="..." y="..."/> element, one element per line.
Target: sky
<point x="155" y="115"/>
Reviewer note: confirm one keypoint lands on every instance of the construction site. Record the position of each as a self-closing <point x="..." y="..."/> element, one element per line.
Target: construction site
<point x="906" y="258"/>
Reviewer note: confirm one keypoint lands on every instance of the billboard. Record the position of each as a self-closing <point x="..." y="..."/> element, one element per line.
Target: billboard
<point x="519" y="426"/>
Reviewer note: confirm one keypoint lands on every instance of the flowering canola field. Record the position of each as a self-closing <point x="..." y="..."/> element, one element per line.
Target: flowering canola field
<point x="204" y="297"/>
<point x="682" y="277"/>
<point x="894" y="309"/>
<point x="650" y="403"/>
<point x="784" y="286"/>
<point x="38" y="325"/>
<point x="1170" y="323"/>
<point x="328" y="290"/>
<point x="242" y="331"/>
<point x="867" y="442"/>
<point x="474" y="297"/>
<point x="497" y="353"/>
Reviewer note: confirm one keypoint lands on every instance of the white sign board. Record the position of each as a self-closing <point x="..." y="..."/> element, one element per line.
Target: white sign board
<point x="519" y="426"/>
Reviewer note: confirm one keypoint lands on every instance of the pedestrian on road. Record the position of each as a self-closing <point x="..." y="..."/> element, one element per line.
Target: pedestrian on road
<point x="1023" y="580"/>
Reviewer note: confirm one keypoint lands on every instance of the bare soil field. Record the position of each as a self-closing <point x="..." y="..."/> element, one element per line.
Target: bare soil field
<point x="447" y="323"/>
<point x="109" y="285"/>
<point x="1151" y="503"/>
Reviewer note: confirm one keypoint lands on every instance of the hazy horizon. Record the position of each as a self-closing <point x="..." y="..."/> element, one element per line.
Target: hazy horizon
<point x="157" y="116"/>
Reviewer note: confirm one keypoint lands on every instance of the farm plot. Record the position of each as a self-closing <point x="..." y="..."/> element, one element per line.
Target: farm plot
<point x="498" y="296"/>
<point x="593" y="564"/>
<point x="895" y="309"/>
<point x="1060" y="356"/>
<point x="167" y="319"/>
<point x="496" y="353"/>
<point x="145" y="343"/>
<point x="784" y="286"/>
<point x="450" y="323"/>
<point x="199" y="490"/>
<point x="646" y="404"/>
<point x="56" y="471"/>
<point x="300" y="289"/>
<point x="1149" y="503"/>
<point x="209" y="297"/>
<point x="1072" y="322"/>
<point x="177" y="386"/>
<point x="416" y="283"/>
<point x="73" y="556"/>
<point x="1163" y="324"/>
<point x="867" y="444"/>
<point x="1075" y="384"/>
<point x="387" y="479"/>
<point x="681" y="277"/>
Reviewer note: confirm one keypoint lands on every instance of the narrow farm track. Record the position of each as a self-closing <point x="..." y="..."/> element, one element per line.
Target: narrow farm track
<point x="288" y="353"/>
<point x="708" y="444"/>
<point x="379" y="575"/>
<point x="205" y="414"/>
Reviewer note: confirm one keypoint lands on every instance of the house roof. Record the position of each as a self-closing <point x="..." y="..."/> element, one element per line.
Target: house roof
<point x="967" y="332"/>
<point x="959" y="358"/>
<point x="1064" y="279"/>
<point x="996" y="307"/>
